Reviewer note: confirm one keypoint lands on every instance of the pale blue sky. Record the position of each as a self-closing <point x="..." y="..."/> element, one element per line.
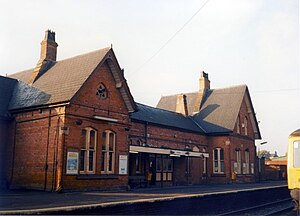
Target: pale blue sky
<point x="253" y="42"/>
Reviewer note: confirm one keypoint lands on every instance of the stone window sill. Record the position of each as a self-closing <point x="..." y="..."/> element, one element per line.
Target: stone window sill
<point x="96" y="176"/>
<point x="218" y="175"/>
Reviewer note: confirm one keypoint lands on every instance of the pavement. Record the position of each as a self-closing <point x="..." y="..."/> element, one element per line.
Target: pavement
<point x="33" y="202"/>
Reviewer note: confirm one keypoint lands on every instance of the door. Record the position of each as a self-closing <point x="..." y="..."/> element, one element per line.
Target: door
<point x="164" y="169"/>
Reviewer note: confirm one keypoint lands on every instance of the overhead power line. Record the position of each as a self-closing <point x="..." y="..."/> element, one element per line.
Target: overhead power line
<point x="171" y="38"/>
<point x="277" y="90"/>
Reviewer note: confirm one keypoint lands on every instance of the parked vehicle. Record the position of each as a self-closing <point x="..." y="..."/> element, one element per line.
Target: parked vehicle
<point x="293" y="167"/>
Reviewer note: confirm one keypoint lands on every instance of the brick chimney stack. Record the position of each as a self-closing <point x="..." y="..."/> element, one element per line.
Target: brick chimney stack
<point x="204" y="85"/>
<point x="47" y="56"/>
<point x="181" y="104"/>
<point x="204" y="82"/>
<point x="49" y="46"/>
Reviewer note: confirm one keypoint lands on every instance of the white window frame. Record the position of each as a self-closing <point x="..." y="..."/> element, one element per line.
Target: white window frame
<point x="218" y="169"/>
<point x="238" y="125"/>
<point x="239" y="161"/>
<point x="204" y="171"/>
<point x="296" y="162"/>
<point x="246" y="125"/>
<point x="87" y="151"/>
<point x="247" y="162"/>
<point x="106" y="152"/>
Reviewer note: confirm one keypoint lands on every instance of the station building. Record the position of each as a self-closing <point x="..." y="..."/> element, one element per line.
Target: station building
<point x="74" y="125"/>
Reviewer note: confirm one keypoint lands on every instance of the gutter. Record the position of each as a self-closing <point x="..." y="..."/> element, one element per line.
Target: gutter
<point x="26" y="109"/>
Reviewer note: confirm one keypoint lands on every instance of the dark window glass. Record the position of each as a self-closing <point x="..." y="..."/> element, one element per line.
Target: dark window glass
<point x="221" y="154"/>
<point x="110" y="161"/>
<point x="216" y="155"/>
<point x="158" y="164"/>
<point x="111" y="141"/>
<point x="170" y="165"/>
<point x="92" y="139"/>
<point x="222" y="166"/>
<point x="91" y="159"/>
<point x="102" y="161"/>
<point x="81" y="159"/>
<point x="83" y="139"/>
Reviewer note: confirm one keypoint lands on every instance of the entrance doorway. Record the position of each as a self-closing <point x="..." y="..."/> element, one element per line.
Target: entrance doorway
<point x="163" y="170"/>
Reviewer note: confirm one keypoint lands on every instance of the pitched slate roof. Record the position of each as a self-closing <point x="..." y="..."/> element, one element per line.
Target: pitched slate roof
<point x="7" y="86"/>
<point x="163" y="117"/>
<point x="219" y="108"/>
<point x="64" y="79"/>
<point x="25" y="95"/>
<point x="169" y="102"/>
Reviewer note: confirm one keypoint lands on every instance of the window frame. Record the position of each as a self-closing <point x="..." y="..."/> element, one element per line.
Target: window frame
<point x="87" y="151"/>
<point x="204" y="161"/>
<point x="246" y="125"/>
<point x="239" y="161"/>
<point x="105" y="153"/>
<point x="220" y="168"/>
<point x="238" y="130"/>
<point x="296" y="160"/>
<point x="138" y="163"/>
<point x="247" y="161"/>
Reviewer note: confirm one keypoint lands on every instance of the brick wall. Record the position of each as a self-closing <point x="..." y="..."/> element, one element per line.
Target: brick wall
<point x="242" y="114"/>
<point x="36" y="149"/>
<point x="161" y="137"/>
<point x="230" y="143"/>
<point x="43" y="137"/>
<point x="85" y="105"/>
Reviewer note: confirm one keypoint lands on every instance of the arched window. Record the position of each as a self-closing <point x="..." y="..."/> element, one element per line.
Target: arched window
<point x="247" y="161"/>
<point x="88" y="142"/>
<point x="238" y="125"/>
<point x="108" y="152"/>
<point x="204" y="165"/>
<point x="246" y="125"/>
<point x="196" y="149"/>
<point x="218" y="165"/>
<point x="238" y="169"/>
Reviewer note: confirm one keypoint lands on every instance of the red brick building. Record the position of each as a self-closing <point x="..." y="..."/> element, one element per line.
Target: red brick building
<point x="74" y="125"/>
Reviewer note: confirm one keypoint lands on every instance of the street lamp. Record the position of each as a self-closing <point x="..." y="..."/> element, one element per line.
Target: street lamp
<point x="259" y="157"/>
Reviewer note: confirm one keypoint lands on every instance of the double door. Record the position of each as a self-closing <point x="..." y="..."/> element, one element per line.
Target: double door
<point x="162" y="168"/>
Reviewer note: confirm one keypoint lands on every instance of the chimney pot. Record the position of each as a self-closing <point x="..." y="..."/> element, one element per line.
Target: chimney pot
<point x="50" y="35"/>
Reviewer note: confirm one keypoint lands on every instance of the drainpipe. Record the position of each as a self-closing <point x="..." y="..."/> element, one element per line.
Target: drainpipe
<point x="59" y="184"/>
<point x="13" y="154"/>
<point x="146" y="132"/>
<point x="228" y="147"/>
<point x="54" y="170"/>
<point x="47" y="150"/>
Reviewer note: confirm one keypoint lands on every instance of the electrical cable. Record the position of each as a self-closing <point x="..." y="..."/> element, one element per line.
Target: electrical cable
<point x="171" y="38"/>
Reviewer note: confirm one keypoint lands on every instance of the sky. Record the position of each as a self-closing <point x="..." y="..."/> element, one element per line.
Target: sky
<point x="164" y="45"/>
